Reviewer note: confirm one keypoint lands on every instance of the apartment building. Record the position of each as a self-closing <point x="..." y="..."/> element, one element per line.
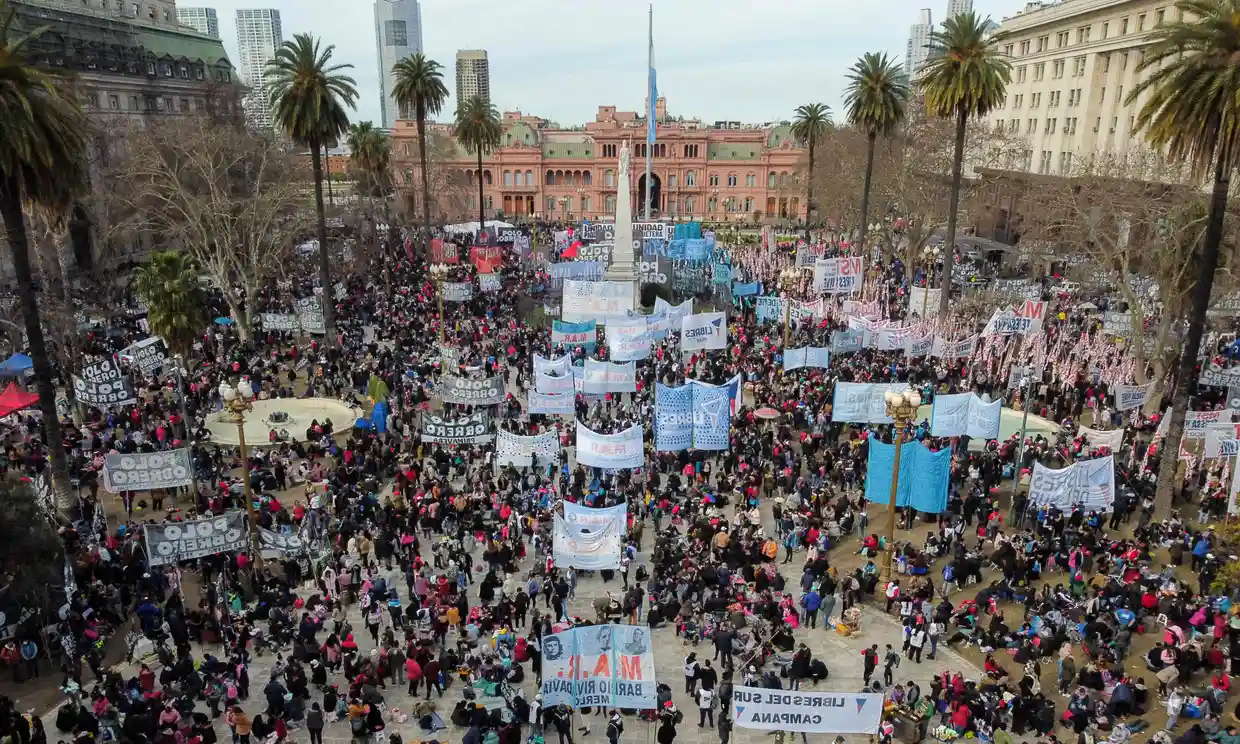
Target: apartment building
<point x="1074" y="63"/>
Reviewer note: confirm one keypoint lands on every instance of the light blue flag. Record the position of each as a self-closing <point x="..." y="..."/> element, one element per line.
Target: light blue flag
<point x="673" y="418"/>
<point x="923" y="475"/>
<point x="712" y="417"/>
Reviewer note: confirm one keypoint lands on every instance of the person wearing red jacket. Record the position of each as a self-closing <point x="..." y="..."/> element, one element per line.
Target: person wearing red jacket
<point x="413" y="673"/>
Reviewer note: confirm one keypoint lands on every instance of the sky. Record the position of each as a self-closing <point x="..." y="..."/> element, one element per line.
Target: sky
<point x="562" y="59"/>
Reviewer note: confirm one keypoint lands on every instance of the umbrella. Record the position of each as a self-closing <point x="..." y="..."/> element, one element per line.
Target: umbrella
<point x="766" y="412"/>
<point x="224" y="321"/>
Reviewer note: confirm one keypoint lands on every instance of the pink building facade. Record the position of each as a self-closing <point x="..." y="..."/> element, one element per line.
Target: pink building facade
<point x="712" y="173"/>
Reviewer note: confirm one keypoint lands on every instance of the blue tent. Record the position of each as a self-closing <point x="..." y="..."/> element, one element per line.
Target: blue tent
<point x="16" y="365"/>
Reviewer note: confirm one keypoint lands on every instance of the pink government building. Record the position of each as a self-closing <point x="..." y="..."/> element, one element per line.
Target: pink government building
<point x="720" y="172"/>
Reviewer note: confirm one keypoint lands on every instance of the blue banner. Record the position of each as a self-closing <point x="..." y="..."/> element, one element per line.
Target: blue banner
<point x="712" y="417"/>
<point x="584" y="334"/>
<point x="923" y="475"/>
<point x="720" y="273"/>
<point x="769" y="309"/>
<point x="696" y="250"/>
<point x="654" y="247"/>
<point x="676" y="248"/>
<point x="673" y="418"/>
<point x="746" y="290"/>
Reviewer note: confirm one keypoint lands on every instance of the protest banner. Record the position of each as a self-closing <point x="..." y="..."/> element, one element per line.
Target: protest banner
<point x="944" y="349"/>
<point x="575" y="334"/>
<point x="457" y="291"/>
<point x="486" y="258"/>
<point x="519" y="450"/>
<point x="279" y="322"/>
<point x="562" y="404"/>
<point x="545" y="383"/>
<point x="704" y="331"/>
<point x="1128" y="397"/>
<point x="102" y="384"/>
<point x="443" y="252"/>
<point x="838" y="275"/>
<point x="309" y="311"/>
<point x="489" y="283"/>
<point x="279" y="545"/>
<point x="965" y="414"/>
<point x="147" y="355"/>
<point x="1088" y="484"/>
<point x="622" y="450"/>
<point x="173" y="542"/>
<point x="144" y="471"/>
<point x="473" y="429"/>
<point x="1020" y="320"/>
<point x="1098" y="439"/>
<point x="807" y="712"/>
<point x="863" y="403"/>
<point x="629" y="342"/>
<point x="596" y="301"/>
<point x="808" y="356"/>
<point x="1196" y="422"/>
<point x="469" y="392"/>
<point x="607" y="377"/>
<point x="599" y="665"/>
<point x="591" y="551"/>
<point x="559" y="366"/>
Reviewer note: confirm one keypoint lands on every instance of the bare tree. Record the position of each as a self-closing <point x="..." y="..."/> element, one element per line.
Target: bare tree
<point x="1137" y="224"/>
<point x="448" y="189"/>
<point x="233" y="199"/>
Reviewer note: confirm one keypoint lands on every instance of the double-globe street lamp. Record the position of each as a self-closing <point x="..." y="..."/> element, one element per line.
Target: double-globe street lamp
<point x="237" y="401"/>
<point x="902" y="408"/>
<point x="439" y="274"/>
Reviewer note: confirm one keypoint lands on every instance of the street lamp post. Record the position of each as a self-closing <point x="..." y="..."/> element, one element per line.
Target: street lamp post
<point x="929" y="258"/>
<point x="237" y="401"/>
<point x="902" y="408"/>
<point x="581" y="204"/>
<point x="787" y="280"/>
<point x="439" y="272"/>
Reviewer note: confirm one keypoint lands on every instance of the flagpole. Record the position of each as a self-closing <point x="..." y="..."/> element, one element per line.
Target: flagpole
<point x="650" y="125"/>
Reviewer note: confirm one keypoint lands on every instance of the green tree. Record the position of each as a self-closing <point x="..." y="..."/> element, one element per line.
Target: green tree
<point x="810" y="125"/>
<point x="42" y="162"/>
<point x="478" y="128"/>
<point x="420" y="88"/>
<point x="31" y="554"/>
<point x="176" y="303"/>
<point x="371" y="154"/>
<point x="877" y="100"/>
<point x="309" y="96"/>
<point x="965" y="76"/>
<point x="1191" y="75"/>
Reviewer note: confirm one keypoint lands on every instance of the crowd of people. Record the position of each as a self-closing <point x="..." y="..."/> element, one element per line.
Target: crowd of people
<point x="743" y="555"/>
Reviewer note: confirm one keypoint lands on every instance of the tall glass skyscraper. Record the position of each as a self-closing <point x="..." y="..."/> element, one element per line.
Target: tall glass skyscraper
<point x="398" y="34"/>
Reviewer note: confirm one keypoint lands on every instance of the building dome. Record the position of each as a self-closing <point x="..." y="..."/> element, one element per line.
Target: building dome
<point x="519" y="134"/>
<point x="779" y="135"/>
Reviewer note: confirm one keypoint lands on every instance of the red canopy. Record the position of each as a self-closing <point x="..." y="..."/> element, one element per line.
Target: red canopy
<point x="14" y="399"/>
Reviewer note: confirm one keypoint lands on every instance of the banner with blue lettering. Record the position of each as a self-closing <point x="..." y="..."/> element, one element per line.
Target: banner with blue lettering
<point x="696" y="250"/>
<point x="923" y="475"/>
<point x="673" y="418"/>
<point x="769" y="309"/>
<point x="599" y="665"/>
<point x="552" y="405"/>
<point x="654" y="247"/>
<point x="720" y="273"/>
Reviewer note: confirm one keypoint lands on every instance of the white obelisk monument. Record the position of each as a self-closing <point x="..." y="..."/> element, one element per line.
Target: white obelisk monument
<point x="623" y="267"/>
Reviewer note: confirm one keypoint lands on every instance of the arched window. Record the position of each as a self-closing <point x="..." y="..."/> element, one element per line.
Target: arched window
<point x="770" y="180"/>
<point x="550" y="179"/>
<point x="586" y="178"/>
<point x="751" y="180"/>
<point x="568" y="178"/>
<point x="519" y="178"/>
<point x="783" y="178"/>
<point x="609" y="178"/>
<point x="714" y="179"/>
<point x="550" y="203"/>
<point x="689" y="203"/>
<point x="486" y="177"/>
<point x="507" y="178"/>
<point x="469" y="177"/>
<point x="748" y="204"/>
<point x="609" y="204"/>
<point x="690" y="179"/>
<point x="529" y="178"/>
<point x="731" y="179"/>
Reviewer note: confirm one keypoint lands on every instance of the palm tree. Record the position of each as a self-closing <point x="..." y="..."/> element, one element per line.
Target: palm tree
<point x="965" y="76"/>
<point x="371" y="155"/>
<point x="810" y="125"/>
<point x="309" y="97"/>
<point x="42" y="162"/>
<point x="419" y="88"/>
<point x="478" y="128"/>
<point x="1193" y="84"/>
<point x="877" y="99"/>
<point x="176" y="303"/>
